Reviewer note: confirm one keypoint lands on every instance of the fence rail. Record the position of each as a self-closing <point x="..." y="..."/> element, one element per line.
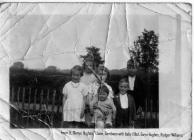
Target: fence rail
<point x="34" y="107"/>
<point x="39" y="108"/>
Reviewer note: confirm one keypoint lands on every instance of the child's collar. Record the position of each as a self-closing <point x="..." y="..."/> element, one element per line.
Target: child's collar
<point x="122" y="94"/>
<point x="134" y="76"/>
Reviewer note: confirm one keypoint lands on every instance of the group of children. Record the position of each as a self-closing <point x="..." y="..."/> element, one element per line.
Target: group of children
<point x="89" y="101"/>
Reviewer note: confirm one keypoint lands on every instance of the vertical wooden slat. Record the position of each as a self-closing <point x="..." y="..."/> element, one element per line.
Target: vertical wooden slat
<point x="47" y="102"/>
<point x="18" y="116"/>
<point x="18" y="96"/>
<point x="23" y="97"/>
<point x="53" y="101"/>
<point x="53" y="106"/>
<point x="22" y="107"/>
<point x="58" y="102"/>
<point x="29" y="99"/>
<point x="41" y="99"/>
<point x="17" y="102"/>
<point x="47" y="99"/>
<point x="34" y="108"/>
<point x="40" y="106"/>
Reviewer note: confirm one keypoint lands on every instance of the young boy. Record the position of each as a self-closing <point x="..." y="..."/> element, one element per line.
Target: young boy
<point x="125" y="106"/>
<point x="103" y="108"/>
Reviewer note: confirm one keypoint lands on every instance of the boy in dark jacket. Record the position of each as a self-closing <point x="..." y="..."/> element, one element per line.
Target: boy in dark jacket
<point x="125" y="106"/>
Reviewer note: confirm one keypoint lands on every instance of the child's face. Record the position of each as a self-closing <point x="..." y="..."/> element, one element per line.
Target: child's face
<point x="76" y="76"/>
<point x="89" y="66"/>
<point x="103" y="75"/>
<point x="102" y="95"/>
<point x="123" y="87"/>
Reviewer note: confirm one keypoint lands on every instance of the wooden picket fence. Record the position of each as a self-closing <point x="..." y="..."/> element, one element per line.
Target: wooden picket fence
<point x="42" y="108"/>
<point x="151" y="116"/>
<point x="33" y="107"/>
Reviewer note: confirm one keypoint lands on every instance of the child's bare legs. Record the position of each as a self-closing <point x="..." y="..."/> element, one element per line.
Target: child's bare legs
<point x="99" y="124"/>
<point x="88" y="116"/>
<point x="98" y="118"/>
<point x="108" y="122"/>
<point x="88" y="119"/>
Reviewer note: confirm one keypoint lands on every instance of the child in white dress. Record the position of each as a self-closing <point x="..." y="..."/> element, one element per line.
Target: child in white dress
<point x="74" y="99"/>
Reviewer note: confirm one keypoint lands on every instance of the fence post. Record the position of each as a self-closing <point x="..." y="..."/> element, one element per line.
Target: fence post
<point x="34" y="107"/>
<point x="40" y="107"/>
<point x="22" y="107"/>
<point x="53" y="106"/>
<point x="18" y="97"/>
<point x="58" y="102"/>
<point x="47" y="99"/>
<point x="18" y="116"/>
<point x="29" y="94"/>
<point x="23" y="97"/>
<point x="41" y="98"/>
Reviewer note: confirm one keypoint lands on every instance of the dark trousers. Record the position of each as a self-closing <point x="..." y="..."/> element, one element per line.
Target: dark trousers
<point x="122" y="119"/>
<point x="74" y="125"/>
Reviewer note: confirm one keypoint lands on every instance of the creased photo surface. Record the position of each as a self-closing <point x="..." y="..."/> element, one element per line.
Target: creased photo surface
<point x="95" y="70"/>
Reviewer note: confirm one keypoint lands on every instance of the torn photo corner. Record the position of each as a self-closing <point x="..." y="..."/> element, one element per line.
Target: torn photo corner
<point x="95" y="70"/>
